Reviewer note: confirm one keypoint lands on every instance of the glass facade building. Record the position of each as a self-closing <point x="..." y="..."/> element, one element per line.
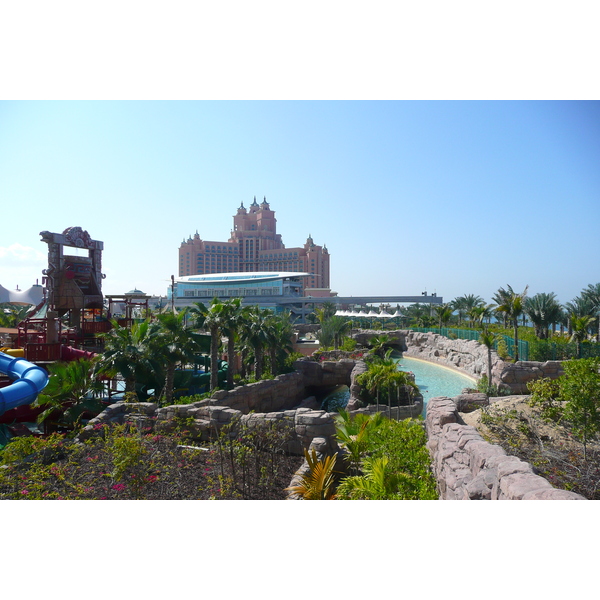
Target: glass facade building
<point x="265" y="289"/>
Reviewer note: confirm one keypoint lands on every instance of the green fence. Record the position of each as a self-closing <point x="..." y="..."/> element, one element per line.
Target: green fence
<point x="543" y="350"/>
<point x="469" y="334"/>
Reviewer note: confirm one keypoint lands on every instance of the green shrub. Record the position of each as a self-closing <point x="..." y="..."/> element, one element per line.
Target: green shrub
<point x="491" y="390"/>
<point x="191" y="399"/>
<point x="288" y="363"/>
<point x="575" y="397"/>
<point x="545" y="393"/>
<point x="502" y="349"/>
<point x="23" y="447"/>
<point x="395" y="466"/>
<point x="348" y="345"/>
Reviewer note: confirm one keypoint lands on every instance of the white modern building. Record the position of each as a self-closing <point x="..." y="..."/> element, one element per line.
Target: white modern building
<point x="264" y="288"/>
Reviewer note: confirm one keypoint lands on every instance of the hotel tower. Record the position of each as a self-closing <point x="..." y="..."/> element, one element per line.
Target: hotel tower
<point x="255" y="246"/>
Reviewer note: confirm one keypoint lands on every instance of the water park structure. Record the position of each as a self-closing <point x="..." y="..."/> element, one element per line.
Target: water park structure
<point x="63" y="326"/>
<point x="68" y="324"/>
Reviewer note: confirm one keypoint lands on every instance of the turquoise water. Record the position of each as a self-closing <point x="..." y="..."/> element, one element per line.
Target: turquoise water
<point x="433" y="380"/>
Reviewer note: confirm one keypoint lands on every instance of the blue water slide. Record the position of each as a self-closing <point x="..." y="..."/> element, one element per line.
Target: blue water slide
<point x="30" y="380"/>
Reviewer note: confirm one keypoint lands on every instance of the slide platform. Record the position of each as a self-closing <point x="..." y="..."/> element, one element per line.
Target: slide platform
<point x="30" y="381"/>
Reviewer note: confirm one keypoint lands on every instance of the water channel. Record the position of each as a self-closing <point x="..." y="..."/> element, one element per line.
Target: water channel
<point x="433" y="380"/>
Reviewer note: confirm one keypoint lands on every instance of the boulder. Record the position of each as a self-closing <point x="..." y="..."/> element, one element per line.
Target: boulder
<point x="466" y="403"/>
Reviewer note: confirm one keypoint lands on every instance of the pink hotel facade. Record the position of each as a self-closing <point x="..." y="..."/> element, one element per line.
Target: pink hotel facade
<point x="255" y="246"/>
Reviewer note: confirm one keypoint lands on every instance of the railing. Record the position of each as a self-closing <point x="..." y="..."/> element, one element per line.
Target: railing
<point x="469" y="334"/>
<point x="544" y="350"/>
<point x="42" y="352"/>
<point x="94" y="327"/>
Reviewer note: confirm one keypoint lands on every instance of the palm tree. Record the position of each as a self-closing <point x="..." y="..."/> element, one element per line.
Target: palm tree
<point x="592" y="294"/>
<point x="580" y="327"/>
<point x="383" y="379"/>
<point x="487" y="339"/>
<point x="232" y="320"/>
<point x="513" y="306"/>
<point x="464" y="304"/>
<point x="580" y="306"/>
<point x="379" y="481"/>
<point x="500" y="298"/>
<point x="12" y="314"/>
<point x="419" y="315"/>
<point x="543" y="310"/>
<point x="172" y="344"/>
<point x="127" y="351"/>
<point x="479" y="313"/>
<point x="443" y="313"/>
<point x="332" y="331"/>
<point x="353" y="433"/>
<point x="279" y="340"/>
<point x="71" y="391"/>
<point x="379" y="344"/>
<point x="327" y="310"/>
<point x="211" y="318"/>
<point x="458" y="305"/>
<point x="254" y="335"/>
<point x="319" y="482"/>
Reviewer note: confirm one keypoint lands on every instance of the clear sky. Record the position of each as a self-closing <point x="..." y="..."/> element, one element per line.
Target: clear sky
<point x="456" y="197"/>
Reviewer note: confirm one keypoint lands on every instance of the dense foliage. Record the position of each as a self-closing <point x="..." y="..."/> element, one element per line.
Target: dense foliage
<point x="394" y="461"/>
<point x="124" y="463"/>
<point x="574" y="398"/>
<point x="558" y="433"/>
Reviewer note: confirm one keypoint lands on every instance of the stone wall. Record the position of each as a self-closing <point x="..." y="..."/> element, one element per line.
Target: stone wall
<point x="515" y="376"/>
<point x="286" y="398"/>
<point x="397" y="337"/>
<point x="469" y="468"/>
<point x="470" y="357"/>
<point x="466" y="356"/>
<point x="203" y="422"/>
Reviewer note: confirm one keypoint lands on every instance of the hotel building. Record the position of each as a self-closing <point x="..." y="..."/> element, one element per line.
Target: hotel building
<point x="255" y="246"/>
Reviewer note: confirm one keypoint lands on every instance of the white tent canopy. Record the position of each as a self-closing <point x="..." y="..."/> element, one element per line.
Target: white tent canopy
<point x="34" y="295"/>
<point x="371" y="314"/>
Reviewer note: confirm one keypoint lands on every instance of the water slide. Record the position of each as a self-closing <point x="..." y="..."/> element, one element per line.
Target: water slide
<point x="30" y="381"/>
<point x="69" y="353"/>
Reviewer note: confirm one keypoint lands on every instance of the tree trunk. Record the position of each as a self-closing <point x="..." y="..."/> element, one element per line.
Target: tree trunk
<point x="244" y="356"/>
<point x="273" y="356"/>
<point x="129" y="384"/>
<point x="258" y="362"/>
<point x="230" y="360"/>
<point x="167" y="392"/>
<point x="214" y="359"/>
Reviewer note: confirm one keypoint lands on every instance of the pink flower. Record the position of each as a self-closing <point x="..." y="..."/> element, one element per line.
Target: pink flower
<point x="24" y="492"/>
<point x="119" y="487"/>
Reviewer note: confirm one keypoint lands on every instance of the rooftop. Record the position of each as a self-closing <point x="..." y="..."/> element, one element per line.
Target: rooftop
<point x="253" y="276"/>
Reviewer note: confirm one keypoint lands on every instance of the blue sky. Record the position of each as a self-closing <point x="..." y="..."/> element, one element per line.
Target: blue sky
<point x="456" y="197"/>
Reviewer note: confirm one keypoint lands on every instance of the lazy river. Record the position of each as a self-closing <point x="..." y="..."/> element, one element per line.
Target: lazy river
<point x="433" y="381"/>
